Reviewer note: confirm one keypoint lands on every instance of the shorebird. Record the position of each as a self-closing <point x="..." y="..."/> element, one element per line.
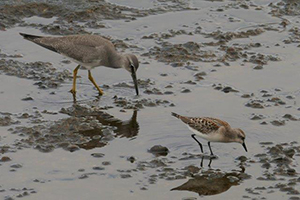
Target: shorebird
<point x="88" y="51"/>
<point x="212" y="130"/>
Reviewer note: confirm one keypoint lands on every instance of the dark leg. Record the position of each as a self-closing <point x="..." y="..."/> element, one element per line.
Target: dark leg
<point x="74" y="98"/>
<point x="201" y="163"/>
<point x="211" y="153"/>
<point x="193" y="136"/>
<point x="209" y="164"/>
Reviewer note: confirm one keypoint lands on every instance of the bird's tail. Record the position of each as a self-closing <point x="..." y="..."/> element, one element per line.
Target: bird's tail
<point x="33" y="38"/>
<point x="175" y="115"/>
<point x="30" y="37"/>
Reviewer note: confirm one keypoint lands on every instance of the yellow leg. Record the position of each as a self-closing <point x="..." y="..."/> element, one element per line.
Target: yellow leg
<point x="73" y="90"/>
<point x="95" y="84"/>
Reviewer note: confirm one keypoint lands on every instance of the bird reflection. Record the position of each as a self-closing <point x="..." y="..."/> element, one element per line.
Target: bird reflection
<point x="98" y="138"/>
<point x="210" y="160"/>
<point x="212" y="182"/>
<point x="128" y="128"/>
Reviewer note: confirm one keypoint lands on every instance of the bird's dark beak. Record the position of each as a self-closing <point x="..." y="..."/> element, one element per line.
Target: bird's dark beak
<point x="244" y="145"/>
<point x="133" y="75"/>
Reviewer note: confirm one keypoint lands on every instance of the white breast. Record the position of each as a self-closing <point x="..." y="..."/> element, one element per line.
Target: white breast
<point x="211" y="137"/>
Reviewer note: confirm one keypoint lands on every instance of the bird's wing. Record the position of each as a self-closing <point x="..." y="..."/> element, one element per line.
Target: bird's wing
<point x="201" y="124"/>
<point x="204" y="125"/>
<point x="83" y="48"/>
<point x="78" y="48"/>
<point x="219" y="122"/>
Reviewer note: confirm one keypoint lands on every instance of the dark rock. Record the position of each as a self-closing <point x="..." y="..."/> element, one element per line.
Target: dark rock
<point x="190" y="82"/>
<point x="276" y="150"/>
<point x="83" y="176"/>
<point x="27" y="99"/>
<point x="72" y="147"/>
<point x="16" y="166"/>
<point x="5" y="159"/>
<point x="242" y="158"/>
<point x="125" y="176"/>
<point x="246" y="96"/>
<point x="106" y="163"/>
<point x="185" y="91"/>
<point x="131" y="159"/>
<point x="266" y="165"/>
<point x="199" y="76"/>
<point x="98" y="168"/>
<point x="254" y="104"/>
<point x="278" y="122"/>
<point x="290" y="97"/>
<point x="282" y="160"/>
<point x="290" y="117"/>
<point x="159" y="150"/>
<point x="291" y="172"/>
<point x="277" y="100"/>
<point x="97" y="155"/>
<point x="266" y="143"/>
<point x="229" y="89"/>
<point x="258" y="67"/>
<point x="168" y="92"/>
<point x="267" y="95"/>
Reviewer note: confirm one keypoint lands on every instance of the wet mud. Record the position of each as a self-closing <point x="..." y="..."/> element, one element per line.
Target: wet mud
<point x="237" y="61"/>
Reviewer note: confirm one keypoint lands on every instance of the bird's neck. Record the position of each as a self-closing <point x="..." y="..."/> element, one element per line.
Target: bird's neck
<point x="229" y="134"/>
<point x="117" y="60"/>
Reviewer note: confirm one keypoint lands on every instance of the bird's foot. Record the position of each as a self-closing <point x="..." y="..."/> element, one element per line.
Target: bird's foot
<point x="101" y="92"/>
<point x="73" y="91"/>
<point x="74" y="95"/>
<point x="213" y="157"/>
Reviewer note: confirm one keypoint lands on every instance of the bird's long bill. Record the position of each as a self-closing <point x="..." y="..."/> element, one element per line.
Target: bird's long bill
<point x="244" y="145"/>
<point x="133" y="75"/>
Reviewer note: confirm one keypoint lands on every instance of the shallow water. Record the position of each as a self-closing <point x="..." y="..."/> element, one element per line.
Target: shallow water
<point x="99" y="147"/>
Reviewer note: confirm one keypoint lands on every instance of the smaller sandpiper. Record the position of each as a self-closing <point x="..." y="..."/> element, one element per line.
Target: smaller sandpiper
<point x="212" y="130"/>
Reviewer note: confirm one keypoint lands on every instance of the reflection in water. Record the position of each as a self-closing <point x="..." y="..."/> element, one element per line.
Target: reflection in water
<point x="207" y="157"/>
<point x="212" y="182"/>
<point x="86" y="127"/>
<point x="95" y="101"/>
<point x="128" y="128"/>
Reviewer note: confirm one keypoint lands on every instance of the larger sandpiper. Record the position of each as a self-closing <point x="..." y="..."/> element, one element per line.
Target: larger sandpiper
<point x="212" y="130"/>
<point x="88" y="51"/>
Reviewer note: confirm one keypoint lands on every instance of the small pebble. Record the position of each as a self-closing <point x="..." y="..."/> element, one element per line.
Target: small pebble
<point x="97" y="155"/>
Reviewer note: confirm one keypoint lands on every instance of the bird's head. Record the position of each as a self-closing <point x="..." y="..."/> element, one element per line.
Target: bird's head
<point x="240" y="137"/>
